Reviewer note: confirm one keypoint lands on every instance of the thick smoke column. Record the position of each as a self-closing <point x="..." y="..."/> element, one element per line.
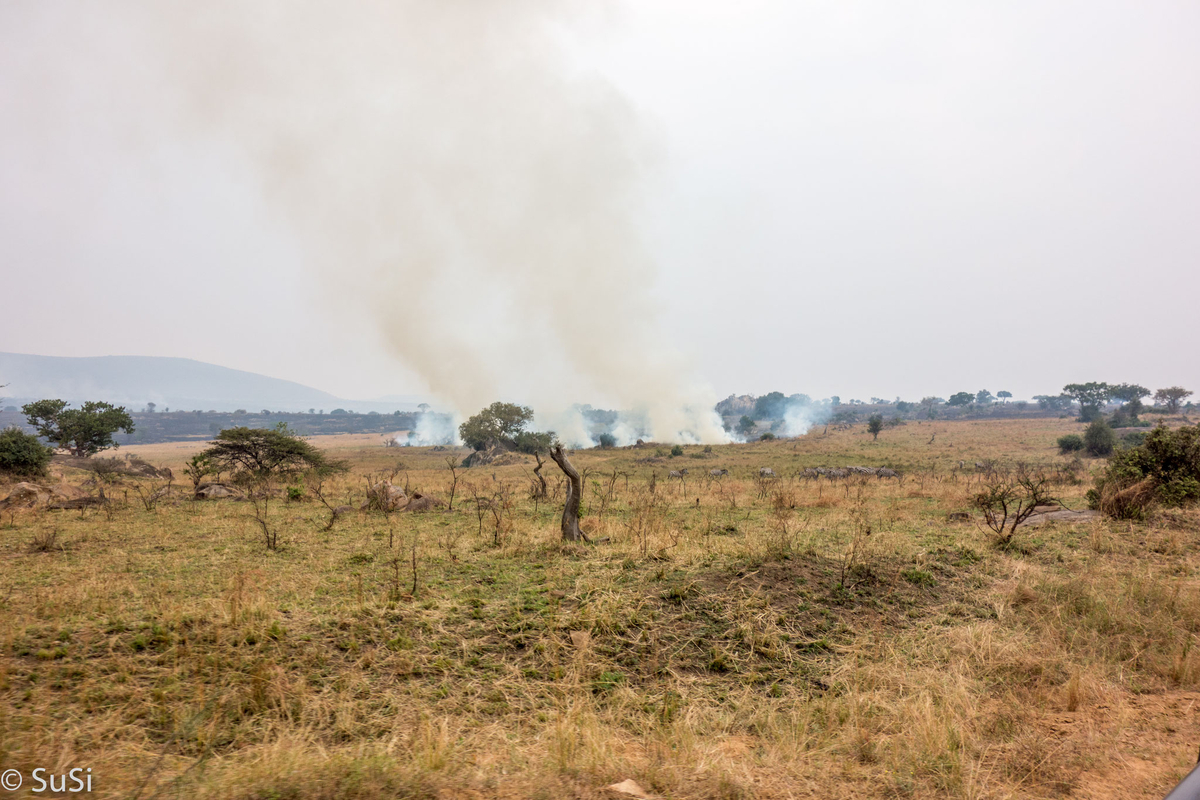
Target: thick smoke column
<point x="446" y="168"/>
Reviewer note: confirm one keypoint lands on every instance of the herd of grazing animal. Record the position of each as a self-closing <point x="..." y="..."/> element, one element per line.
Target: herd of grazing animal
<point x="845" y="472"/>
<point x="767" y="473"/>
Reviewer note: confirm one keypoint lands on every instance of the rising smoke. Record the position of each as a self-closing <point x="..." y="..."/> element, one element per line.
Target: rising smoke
<point x="432" y="428"/>
<point x="446" y="168"/>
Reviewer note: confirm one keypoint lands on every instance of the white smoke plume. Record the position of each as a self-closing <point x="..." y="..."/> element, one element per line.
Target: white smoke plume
<point x="800" y="418"/>
<point x="432" y="428"/>
<point x="445" y="167"/>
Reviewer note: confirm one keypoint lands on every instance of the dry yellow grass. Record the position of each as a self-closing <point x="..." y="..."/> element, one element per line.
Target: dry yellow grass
<point x="734" y="638"/>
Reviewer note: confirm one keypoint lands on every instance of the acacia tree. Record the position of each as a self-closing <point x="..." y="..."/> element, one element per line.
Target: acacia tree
<point x="1091" y="397"/>
<point x="82" y="431"/>
<point x="1131" y="395"/>
<point x="960" y="399"/>
<point x="1171" y="397"/>
<point x="1004" y="395"/>
<point x="256" y="456"/>
<point x="266" y="452"/>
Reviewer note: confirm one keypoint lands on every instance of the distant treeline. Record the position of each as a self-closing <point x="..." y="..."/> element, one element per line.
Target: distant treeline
<point x="175" y="426"/>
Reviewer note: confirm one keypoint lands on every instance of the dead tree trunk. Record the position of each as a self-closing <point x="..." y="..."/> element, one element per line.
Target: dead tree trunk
<point x="570" y="517"/>
<point x="542" y="489"/>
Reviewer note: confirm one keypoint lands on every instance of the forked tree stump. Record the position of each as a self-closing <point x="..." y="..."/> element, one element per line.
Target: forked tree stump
<point x="542" y="490"/>
<point x="570" y="517"/>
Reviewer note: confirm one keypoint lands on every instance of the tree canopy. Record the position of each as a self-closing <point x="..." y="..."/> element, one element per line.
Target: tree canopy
<point x="499" y="423"/>
<point x="770" y="406"/>
<point x="961" y="399"/>
<point x="745" y="425"/>
<point x="262" y="452"/>
<point x="82" y="431"/>
<point x="1128" y="392"/>
<point x="1171" y="397"/>
<point x="1091" y="397"/>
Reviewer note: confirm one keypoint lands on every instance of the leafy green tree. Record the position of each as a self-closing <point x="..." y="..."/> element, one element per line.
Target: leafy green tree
<point x="1004" y="395"/>
<point x="1128" y="392"/>
<point x="198" y="468"/>
<point x="1049" y="402"/>
<point x="1098" y="439"/>
<point x="745" y="425"/>
<point x="498" y="423"/>
<point x="258" y="453"/>
<point x="606" y="441"/>
<point x="534" y="441"/>
<point x="22" y="454"/>
<point x="983" y="397"/>
<point x="770" y="406"/>
<point x="1090" y="396"/>
<point x="875" y="425"/>
<point x="82" y="431"/>
<point x="1171" y="397"/>
<point x="961" y="399"/>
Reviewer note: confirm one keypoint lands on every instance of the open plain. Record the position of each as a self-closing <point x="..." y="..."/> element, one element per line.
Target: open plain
<point x="735" y="637"/>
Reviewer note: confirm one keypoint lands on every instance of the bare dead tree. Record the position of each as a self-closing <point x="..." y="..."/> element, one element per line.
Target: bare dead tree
<point x="540" y="489"/>
<point x="501" y="508"/>
<point x="1007" y="503"/>
<point x="606" y="493"/>
<point x="259" y="494"/>
<point x="452" y="465"/>
<point x="316" y="485"/>
<point x="480" y="502"/>
<point x="152" y="490"/>
<point x="570" y="518"/>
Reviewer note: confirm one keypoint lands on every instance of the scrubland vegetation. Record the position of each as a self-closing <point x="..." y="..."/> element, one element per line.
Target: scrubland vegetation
<point x="738" y="636"/>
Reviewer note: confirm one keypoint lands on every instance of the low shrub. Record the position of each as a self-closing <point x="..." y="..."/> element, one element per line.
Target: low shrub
<point x="1133" y="438"/>
<point x="23" y="454"/>
<point x="1099" y="440"/>
<point x="1071" y="443"/>
<point x="1165" y="469"/>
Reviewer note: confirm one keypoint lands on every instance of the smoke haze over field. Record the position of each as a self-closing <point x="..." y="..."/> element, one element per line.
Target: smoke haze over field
<point x="447" y="172"/>
<point x="537" y="202"/>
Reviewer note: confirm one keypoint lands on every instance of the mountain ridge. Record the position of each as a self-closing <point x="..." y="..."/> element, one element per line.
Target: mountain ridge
<point x="168" y="382"/>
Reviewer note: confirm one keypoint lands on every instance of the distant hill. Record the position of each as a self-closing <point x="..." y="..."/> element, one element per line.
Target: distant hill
<point x="176" y="383"/>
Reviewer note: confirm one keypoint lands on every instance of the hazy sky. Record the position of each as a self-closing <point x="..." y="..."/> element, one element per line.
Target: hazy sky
<point x="853" y="198"/>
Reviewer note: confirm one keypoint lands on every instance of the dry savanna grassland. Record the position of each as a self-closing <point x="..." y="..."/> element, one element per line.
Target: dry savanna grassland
<point x="734" y="638"/>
